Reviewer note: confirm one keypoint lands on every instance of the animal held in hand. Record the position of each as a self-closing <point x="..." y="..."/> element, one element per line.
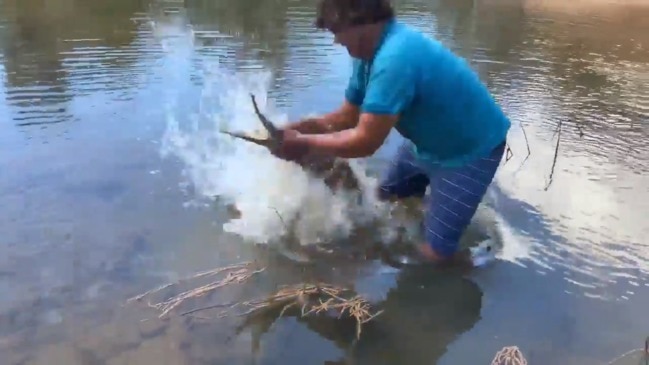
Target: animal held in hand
<point x="336" y="172"/>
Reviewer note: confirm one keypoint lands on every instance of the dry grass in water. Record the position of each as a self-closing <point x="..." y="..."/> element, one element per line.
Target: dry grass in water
<point x="510" y="355"/>
<point x="238" y="273"/>
<point x="310" y="299"/>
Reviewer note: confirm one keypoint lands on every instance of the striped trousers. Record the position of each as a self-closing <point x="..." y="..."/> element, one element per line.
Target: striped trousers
<point x="455" y="193"/>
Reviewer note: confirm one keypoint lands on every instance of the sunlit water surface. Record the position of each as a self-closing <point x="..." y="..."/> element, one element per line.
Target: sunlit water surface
<point x="115" y="179"/>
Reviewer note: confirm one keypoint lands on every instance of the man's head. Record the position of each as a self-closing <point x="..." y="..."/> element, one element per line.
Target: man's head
<point x="356" y="24"/>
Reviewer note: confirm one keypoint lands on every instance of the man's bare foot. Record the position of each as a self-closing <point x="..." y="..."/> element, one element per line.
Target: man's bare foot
<point x="473" y="257"/>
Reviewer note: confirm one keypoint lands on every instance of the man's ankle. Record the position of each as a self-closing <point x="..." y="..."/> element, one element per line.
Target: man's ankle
<point x="428" y="254"/>
<point x="464" y="257"/>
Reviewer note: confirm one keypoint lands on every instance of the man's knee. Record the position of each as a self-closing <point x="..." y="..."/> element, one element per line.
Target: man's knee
<point x="396" y="186"/>
<point x="443" y="227"/>
<point x="403" y="177"/>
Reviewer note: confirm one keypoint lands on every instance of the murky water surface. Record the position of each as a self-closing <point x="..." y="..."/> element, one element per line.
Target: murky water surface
<point x="107" y="166"/>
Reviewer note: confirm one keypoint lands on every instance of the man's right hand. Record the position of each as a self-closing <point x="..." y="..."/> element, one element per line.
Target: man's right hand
<point x="292" y="148"/>
<point x="307" y="126"/>
<point x="345" y="117"/>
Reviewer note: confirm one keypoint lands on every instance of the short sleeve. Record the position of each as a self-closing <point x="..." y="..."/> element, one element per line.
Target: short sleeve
<point x="392" y="85"/>
<point x="355" y="90"/>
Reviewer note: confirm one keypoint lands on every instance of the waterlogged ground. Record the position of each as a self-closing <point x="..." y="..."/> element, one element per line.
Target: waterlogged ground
<point x="111" y="159"/>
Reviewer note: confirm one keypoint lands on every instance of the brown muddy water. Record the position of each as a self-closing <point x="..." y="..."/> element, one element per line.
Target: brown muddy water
<point x="104" y="197"/>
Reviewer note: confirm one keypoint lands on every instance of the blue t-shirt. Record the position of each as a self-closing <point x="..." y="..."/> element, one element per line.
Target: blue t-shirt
<point x="446" y="111"/>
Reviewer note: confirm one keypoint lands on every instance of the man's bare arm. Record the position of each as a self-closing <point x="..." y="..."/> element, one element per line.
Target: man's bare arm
<point x="345" y="117"/>
<point x="360" y="141"/>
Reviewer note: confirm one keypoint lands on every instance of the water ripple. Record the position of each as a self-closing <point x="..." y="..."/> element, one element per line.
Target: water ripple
<point x="38" y="94"/>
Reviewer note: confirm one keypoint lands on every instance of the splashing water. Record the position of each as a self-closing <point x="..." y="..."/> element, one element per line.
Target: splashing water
<point x="268" y="192"/>
<point x="273" y="196"/>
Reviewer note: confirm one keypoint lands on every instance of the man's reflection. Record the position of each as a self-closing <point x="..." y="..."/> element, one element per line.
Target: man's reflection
<point x="426" y="311"/>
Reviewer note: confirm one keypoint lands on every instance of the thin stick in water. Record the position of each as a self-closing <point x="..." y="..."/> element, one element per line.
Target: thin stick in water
<point x="281" y="219"/>
<point x="527" y="144"/>
<point x="556" y="155"/>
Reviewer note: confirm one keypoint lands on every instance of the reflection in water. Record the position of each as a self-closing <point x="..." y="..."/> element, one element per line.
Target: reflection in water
<point x="598" y="73"/>
<point x="94" y="219"/>
<point x="588" y="82"/>
<point x="261" y="25"/>
<point x="56" y="51"/>
<point x="423" y="313"/>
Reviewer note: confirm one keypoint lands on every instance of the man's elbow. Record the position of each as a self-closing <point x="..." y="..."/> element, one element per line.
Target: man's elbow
<point x="371" y="148"/>
<point x="349" y="115"/>
<point x="364" y="149"/>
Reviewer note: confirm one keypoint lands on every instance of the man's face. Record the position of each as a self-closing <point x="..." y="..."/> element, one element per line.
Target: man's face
<point x="352" y="39"/>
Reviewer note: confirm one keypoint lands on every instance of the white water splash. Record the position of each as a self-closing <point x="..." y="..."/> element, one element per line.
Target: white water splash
<point x="271" y="194"/>
<point x="512" y="247"/>
<point x="267" y="191"/>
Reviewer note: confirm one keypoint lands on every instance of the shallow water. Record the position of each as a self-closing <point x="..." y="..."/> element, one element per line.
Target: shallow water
<point x="103" y="198"/>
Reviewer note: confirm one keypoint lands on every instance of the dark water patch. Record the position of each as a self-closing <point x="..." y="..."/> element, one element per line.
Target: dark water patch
<point x="105" y="190"/>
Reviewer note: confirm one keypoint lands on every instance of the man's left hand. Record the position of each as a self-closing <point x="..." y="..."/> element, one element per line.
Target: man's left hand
<point x="293" y="146"/>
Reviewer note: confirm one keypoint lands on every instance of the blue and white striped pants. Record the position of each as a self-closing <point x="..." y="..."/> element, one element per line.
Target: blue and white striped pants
<point x="454" y="197"/>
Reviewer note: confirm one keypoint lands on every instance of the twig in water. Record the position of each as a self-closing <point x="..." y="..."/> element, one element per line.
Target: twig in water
<point x="580" y="129"/>
<point x="527" y="143"/>
<point x="556" y="155"/>
<point x="214" y="306"/>
<point x="508" y="153"/>
<point x="529" y="151"/>
<point x="281" y="219"/>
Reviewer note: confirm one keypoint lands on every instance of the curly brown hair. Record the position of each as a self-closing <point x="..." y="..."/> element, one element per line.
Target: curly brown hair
<point x="334" y="15"/>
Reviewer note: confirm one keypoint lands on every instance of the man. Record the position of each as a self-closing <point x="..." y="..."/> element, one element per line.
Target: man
<point x="403" y="79"/>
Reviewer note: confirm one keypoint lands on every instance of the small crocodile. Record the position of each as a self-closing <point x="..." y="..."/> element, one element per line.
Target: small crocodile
<point x="336" y="172"/>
